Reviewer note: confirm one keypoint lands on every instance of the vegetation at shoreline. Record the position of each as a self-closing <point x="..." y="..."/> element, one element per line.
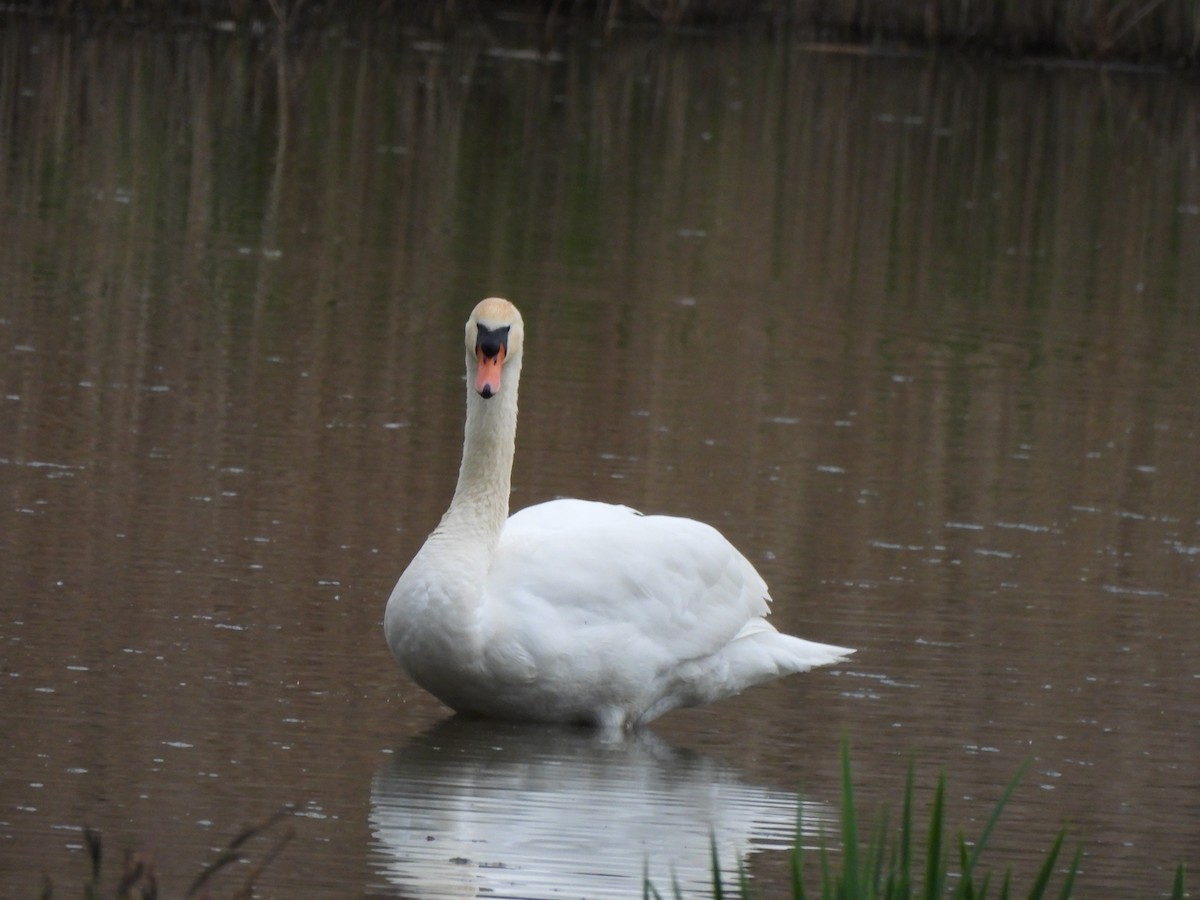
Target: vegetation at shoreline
<point x="139" y="876"/>
<point x="889" y="866"/>
<point x="892" y="864"/>
<point x="1127" y="30"/>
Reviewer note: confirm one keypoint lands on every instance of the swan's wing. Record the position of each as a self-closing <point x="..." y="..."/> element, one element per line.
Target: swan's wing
<point x="596" y="576"/>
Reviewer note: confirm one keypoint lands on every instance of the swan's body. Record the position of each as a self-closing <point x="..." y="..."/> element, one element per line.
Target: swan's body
<point x="573" y="611"/>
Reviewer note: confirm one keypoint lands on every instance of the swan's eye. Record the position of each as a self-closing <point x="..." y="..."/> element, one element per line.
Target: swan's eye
<point x="491" y="342"/>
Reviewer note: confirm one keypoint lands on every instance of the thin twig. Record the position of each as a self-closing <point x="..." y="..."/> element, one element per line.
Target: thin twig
<point x="231" y="853"/>
<point x="247" y="890"/>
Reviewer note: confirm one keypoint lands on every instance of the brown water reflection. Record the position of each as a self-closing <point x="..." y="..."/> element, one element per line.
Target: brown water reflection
<point x="918" y="336"/>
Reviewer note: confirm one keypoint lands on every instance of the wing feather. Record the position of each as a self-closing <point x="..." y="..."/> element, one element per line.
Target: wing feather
<point x="593" y="576"/>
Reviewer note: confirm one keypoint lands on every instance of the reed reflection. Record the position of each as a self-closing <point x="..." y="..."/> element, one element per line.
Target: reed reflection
<point x="478" y="808"/>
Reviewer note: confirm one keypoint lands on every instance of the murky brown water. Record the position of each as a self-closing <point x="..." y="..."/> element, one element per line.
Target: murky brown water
<point x="920" y="337"/>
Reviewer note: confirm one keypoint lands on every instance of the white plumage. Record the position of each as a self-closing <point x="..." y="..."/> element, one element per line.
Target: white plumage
<point x="573" y="611"/>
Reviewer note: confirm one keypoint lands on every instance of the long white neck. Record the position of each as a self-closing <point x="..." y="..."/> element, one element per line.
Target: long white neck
<point x="433" y="619"/>
<point x="480" y="505"/>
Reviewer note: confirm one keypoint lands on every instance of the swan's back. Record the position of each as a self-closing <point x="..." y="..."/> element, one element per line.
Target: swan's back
<point x="673" y="580"/>
<point x="600" y="614"/>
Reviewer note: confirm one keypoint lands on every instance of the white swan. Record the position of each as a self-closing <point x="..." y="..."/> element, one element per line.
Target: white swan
<point x="573" y="611"/>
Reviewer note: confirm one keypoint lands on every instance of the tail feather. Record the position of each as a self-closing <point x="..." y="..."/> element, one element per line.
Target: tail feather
<point x="759" y="646"/>
<point x="757" y="653"/>
<point x="806" y="654"/>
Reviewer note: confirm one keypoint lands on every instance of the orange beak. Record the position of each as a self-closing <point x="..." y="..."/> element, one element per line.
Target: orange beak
<point x="487" y="373"/>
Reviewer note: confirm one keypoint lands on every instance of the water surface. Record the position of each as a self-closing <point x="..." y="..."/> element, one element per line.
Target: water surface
<point x="917" y="335"/>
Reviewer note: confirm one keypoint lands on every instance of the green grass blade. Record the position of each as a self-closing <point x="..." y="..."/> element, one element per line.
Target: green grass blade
<point x="933" y="858"/>
<point x="743" y="881"/>
<point x="849" y="829"/>
<point x="718" y="888"/>
<point x="826" y="872"/>
<point x="1047" y="871"/>
<point x="985" y="886"/>
<point x="904" y="888"/>
<point x="797" y="857"/>
<point x="649" y="891"/>
<point x="1069" y="884"/>
<point x="966" y="885"/>
<point x="993" y="819"/>
<point x="1006" y="885"/>
<point x="1177" y="891"/>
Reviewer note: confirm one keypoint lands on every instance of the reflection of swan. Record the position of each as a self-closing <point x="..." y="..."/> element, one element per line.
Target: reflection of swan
<point x="509" y="810"/>
<point x="573" y="611"/>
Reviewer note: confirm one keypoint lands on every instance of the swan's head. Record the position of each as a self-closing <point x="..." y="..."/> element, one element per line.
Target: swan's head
<point x="495" y="334"/>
